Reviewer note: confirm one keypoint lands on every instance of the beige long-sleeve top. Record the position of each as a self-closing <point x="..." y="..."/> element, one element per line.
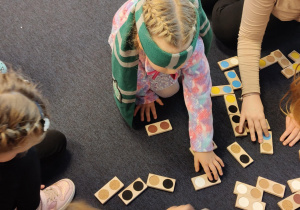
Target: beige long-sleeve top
<point x="256" y="14"/>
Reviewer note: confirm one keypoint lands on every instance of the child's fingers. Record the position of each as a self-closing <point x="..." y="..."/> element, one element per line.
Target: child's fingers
<point x="287" y="122"/>
<point x="287" y="132"/>
<point x="196" y="165"/>
<point x="214" y="171"/>
<point x="148" y="114"/>
<point x="218" y="166"/>
<point x="153" y="110"/>
<point x="264" y="127"/>
<point x="42" y="186"/>
<point x="220" y="161"/>
<point x="159" y="102"/>
<point x="241" y="126"/>
<point x="291" y="137"/>
<point x="208" y="172"/>
<point x="292" y="143"/>
<point x="252" y="130"/>
<point x="137" y="108"/>
<point x="142" y="111"/>
<point x="258" y="131"/>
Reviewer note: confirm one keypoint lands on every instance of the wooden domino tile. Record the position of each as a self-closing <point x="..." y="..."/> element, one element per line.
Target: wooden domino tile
<point x="290" y="203"/>
<point x="235" y="122"/>
<point x="233" y="79"/>
<point x="271" y="187"/>
<point x="109" y="190"/>
<point x="267" y="61"/>
<point x="240" y="154"/>
<point x="295" y="56"/>
<point x="231" y="104"/>
<point x="248" y="191"/>
<point x="202" y="181"/>
<point x="158" y="127"/>
<point x="228" y="63"/>
<point x="294" y="185"/>
<point x="248" y="203"/>
<point x="281" y="59"/>
<point x="289" y="71"/>
<point x="161" y="182"/>
<point x="214" y="147"/>
<point x="266" y="147"/>
<point x="132" y="191"/>
<point x="221" y="90"/>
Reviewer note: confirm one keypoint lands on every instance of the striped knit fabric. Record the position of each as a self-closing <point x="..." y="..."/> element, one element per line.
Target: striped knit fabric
<point x="125" y="57"/>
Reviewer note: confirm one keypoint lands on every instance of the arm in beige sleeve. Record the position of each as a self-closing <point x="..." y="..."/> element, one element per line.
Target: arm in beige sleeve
<point x="255" y="17"/>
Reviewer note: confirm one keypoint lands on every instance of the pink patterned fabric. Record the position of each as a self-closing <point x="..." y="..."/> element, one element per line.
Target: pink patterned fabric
<point x="196" y="86"/>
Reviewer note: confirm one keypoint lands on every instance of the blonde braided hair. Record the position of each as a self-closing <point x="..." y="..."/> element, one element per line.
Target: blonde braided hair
<point x="20" y="115"/>
<point x="173" y="20"/>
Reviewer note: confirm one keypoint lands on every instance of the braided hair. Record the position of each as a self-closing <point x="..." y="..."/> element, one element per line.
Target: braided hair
<point x="173" y="20"/>
<point x="19" y="113"/>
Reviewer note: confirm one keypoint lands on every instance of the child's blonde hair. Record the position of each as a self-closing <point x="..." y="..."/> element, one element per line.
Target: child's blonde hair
<point x="173" y="20"/>
<point x="20" y="115"/>
<point x="292" y="105"/>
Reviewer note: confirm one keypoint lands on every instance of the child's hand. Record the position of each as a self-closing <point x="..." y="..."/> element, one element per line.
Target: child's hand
<point x="292" y="131"/>
<point x="210" y="162"/>
<point x="253" y="112"/>
<point x="145" y="109"/>
<point x="182" y="207"/>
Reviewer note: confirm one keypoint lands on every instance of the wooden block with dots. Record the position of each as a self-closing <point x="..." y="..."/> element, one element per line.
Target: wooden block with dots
<point x="290" y="203"/>
<point x="161" y="182"/>
<point x="281" y="59"/>
<point x="295" y="56"/>
<point x="228" y="63"/>
<point x="294" y="185"/>
<point x="132" y="191"/>
<point x="270" y="186"/>
<point x="248" y="203"/>
<point x="109" y="190"/>
<point x="231" y="104"/>
<point x="202" y="181"/>
<point x="221" y="90"/>
<point x="249" y="191"/>
<point x="267" y="61"/>
<point x="158" y="127"/>
<point x="291" y="70"/>
<point x="240" y="154"/>
<point x="235" y="122"/>
<point x="233" y="79"/>
<point x="266" y="147"/>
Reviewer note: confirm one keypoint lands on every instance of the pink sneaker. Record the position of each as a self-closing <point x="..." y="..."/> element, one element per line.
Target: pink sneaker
<point x="57" y="196"/>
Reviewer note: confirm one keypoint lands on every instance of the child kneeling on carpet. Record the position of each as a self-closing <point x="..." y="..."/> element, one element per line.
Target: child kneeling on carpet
<point x="292" y="133"/>
<point x="153" y="43"/>
<point x="23" y="124"/>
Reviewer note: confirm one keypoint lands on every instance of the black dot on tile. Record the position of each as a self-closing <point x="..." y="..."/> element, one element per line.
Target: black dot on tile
<point x="212" y="181"/>
<point x="138" y="186"/>
<point x="232" y="109"/>
<point x="244" y="158"/>
<point x="167" y="183"/>
<point x="127" y="195"/>
<point x="236" y="118"/>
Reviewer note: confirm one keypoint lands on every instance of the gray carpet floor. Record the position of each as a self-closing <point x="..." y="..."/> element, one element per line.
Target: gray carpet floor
<point x="62" y="45"/>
